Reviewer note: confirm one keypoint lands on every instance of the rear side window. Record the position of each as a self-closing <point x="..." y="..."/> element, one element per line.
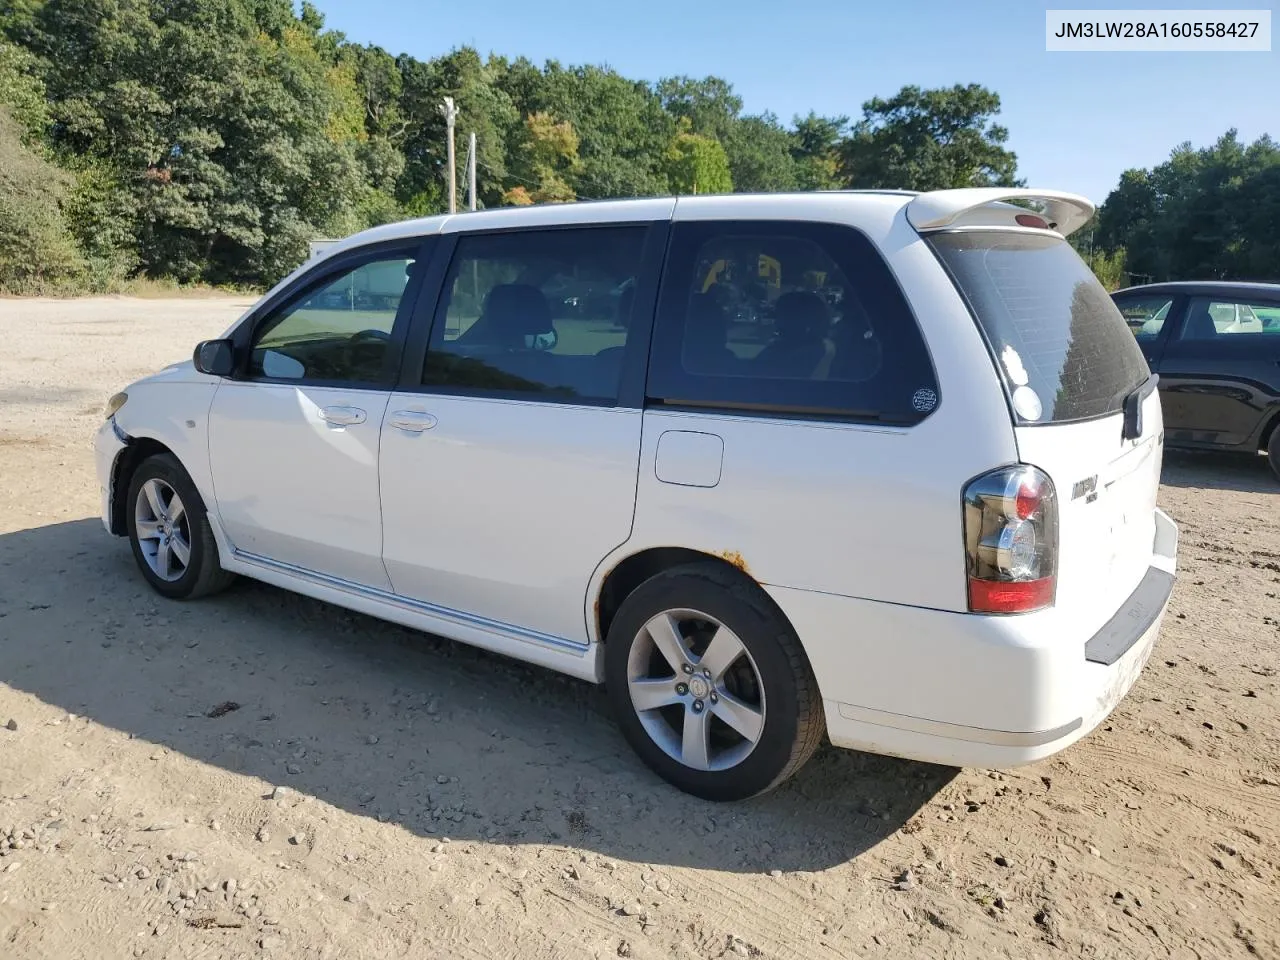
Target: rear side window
<point x="1145" y="316"/>
<point x="1209" y="319"/>
<point x="787" y="318"/>
<point x="1061" y="346"/>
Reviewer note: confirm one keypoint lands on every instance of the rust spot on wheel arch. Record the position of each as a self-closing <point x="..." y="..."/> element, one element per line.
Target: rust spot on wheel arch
<point x="735" y="558"/>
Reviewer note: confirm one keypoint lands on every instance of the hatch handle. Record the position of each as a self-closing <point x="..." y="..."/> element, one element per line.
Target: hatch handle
<point x="1133" y="407"/>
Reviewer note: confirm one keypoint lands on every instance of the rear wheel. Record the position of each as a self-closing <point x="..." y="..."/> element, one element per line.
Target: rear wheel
<point x="169" y="531"/>
<point x="710" y="685"/>
<point x="1273" y="450"/>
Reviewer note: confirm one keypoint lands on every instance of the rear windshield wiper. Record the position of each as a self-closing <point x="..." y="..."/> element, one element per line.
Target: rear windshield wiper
<point x="1133" y="407"/>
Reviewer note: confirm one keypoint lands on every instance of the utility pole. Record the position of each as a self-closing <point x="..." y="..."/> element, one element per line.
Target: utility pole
<point x="471" y="171"/>
<point x="450" y="115"/>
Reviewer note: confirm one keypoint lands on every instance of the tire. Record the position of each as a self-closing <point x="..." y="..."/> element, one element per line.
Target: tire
<point x="189" y="533"/>
<point x="1273" y="450"/>
<point x="767" y="688"/>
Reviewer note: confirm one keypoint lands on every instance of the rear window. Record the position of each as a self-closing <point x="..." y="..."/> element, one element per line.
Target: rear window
<point x="1061" y="346"/>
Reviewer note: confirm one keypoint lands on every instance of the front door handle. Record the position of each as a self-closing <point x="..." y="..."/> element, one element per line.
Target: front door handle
<point x="342" y="416"/>
<point x="415" y="421"/>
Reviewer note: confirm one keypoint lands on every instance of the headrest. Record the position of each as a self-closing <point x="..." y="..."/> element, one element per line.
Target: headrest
<point x="801" y="315"/>
<point x="1200" y="325"/>
<point x="517" y="310"/>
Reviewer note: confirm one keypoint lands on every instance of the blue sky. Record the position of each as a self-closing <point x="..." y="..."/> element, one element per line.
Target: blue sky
<point x="1076" y="120"/>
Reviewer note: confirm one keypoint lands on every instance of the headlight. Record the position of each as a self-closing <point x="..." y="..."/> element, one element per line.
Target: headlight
<point x="114" y="404"/>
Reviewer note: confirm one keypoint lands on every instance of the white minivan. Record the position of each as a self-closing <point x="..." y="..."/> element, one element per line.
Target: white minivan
<point x="874" y="465"/>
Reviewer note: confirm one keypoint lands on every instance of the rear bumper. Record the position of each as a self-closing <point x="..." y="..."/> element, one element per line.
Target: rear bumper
<point x="976" y="691"/>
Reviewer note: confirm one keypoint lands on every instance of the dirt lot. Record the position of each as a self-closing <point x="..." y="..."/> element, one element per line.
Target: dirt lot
<point x="140" y="825"/>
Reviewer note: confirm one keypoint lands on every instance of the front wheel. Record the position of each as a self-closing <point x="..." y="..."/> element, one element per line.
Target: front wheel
<point x="170" y="533"/>
<point x="1273" y="450"/>
<point x="710" y="685"/>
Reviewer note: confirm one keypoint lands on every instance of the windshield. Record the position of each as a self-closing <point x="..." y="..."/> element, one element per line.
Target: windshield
<point x="1061" y="346"/>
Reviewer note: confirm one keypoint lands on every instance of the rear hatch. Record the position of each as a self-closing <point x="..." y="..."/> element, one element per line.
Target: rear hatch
<point x="1070" y="367"/>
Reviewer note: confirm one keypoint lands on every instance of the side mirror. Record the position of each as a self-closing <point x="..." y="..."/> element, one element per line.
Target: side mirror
<point x="214" y="357"/>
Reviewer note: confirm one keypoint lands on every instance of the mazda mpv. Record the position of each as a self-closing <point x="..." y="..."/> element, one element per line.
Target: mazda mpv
<point x="873" y="466"/>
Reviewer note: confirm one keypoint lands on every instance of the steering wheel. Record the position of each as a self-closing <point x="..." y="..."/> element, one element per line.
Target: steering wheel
<point x="355" y="357"/>
<point x="370" y="334"/>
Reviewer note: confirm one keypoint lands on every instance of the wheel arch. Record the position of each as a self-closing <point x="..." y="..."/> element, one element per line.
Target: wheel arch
<point x="136" y="450"/>
<point x="627" y="573"/>
<point x="1269" y="427"/>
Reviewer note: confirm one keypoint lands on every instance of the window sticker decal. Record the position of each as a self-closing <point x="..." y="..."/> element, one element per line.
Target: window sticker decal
<point x="924" y="400"/>
<point x="1026" y="403"/>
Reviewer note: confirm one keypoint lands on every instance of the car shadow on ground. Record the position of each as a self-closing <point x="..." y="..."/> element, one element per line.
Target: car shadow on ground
<point x="1218" y="471"/>
<point x="395" y="724"/>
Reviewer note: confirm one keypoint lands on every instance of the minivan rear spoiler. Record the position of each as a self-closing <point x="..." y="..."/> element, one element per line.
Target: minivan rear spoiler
<point x="939" y="209"/>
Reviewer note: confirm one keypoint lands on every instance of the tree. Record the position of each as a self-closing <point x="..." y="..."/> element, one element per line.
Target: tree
<point x="484" y="108"/>
<point x="1205" y="213"/>
<point x="696" y="164"/>
<point x="37" y="252"/>
<point x="545" y="158"/>
<point x="760" y="155"/>
<point x="232" y="161"/>
<point x="816" y="150"/>
<point x="210" y="139"/>
<point x="710" y="105"/>
<point x="622" y="129"/>
<point x="929" y="140"/>
<point x="23" y="93"/>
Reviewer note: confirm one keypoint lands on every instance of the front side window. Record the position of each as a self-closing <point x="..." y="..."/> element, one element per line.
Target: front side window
<point x="1145" y="316"/>
<point x="785" y="318"/>
<point x="1214" y="319"/>
<point x="540" y="314"/>
<point x="338" y="332"/>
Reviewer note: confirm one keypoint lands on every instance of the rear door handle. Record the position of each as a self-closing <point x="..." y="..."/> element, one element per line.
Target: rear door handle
<point x="414" y="421"/>
<point x="342" y="416"/>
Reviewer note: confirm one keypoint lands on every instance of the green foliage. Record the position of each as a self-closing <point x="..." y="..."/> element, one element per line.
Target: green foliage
<point x="206" y="141"/>
<point x="622" y="129"/>
<point x="709" y="105"/>
<point x="760" y="159"/>
<point x="545" y="160"/>
<point x="37" y="252"/>
<point x="1109" y="268"/>
<point x="1205" y="214"/>
<point x="22" y="92"/>
<point x="696" y="163"/>
<point x="929" y="140"/>
<point x="817" y="151"/>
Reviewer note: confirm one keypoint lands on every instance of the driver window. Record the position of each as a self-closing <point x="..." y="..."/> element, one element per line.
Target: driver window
<point x="337" y="332"/>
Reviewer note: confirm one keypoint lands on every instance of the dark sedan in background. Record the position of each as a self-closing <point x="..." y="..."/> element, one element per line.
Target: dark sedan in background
<point x="1216" y="347"/>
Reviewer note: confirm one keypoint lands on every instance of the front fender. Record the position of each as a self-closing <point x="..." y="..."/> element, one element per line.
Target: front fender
<point x="175" y="415"/>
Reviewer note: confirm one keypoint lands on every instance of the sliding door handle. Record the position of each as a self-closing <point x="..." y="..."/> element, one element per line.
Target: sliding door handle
<point x="415" y="421"/>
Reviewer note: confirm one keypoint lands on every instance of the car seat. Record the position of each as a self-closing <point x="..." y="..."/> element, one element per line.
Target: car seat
<point x="800" y="329"/>
<point x="514" y="315"/>
<point x="1200" y="325"/>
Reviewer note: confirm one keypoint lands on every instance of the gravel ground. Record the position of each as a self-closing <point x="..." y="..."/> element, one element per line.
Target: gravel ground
<point x="260" y="774"/>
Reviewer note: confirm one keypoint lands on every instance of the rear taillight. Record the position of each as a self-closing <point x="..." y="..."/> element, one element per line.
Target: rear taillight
<point x="1011" y="540"/>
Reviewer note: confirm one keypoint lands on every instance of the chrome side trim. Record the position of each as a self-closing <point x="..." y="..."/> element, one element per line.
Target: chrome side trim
<point x="955" y="731"/>
<point x="558" y="644"/>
